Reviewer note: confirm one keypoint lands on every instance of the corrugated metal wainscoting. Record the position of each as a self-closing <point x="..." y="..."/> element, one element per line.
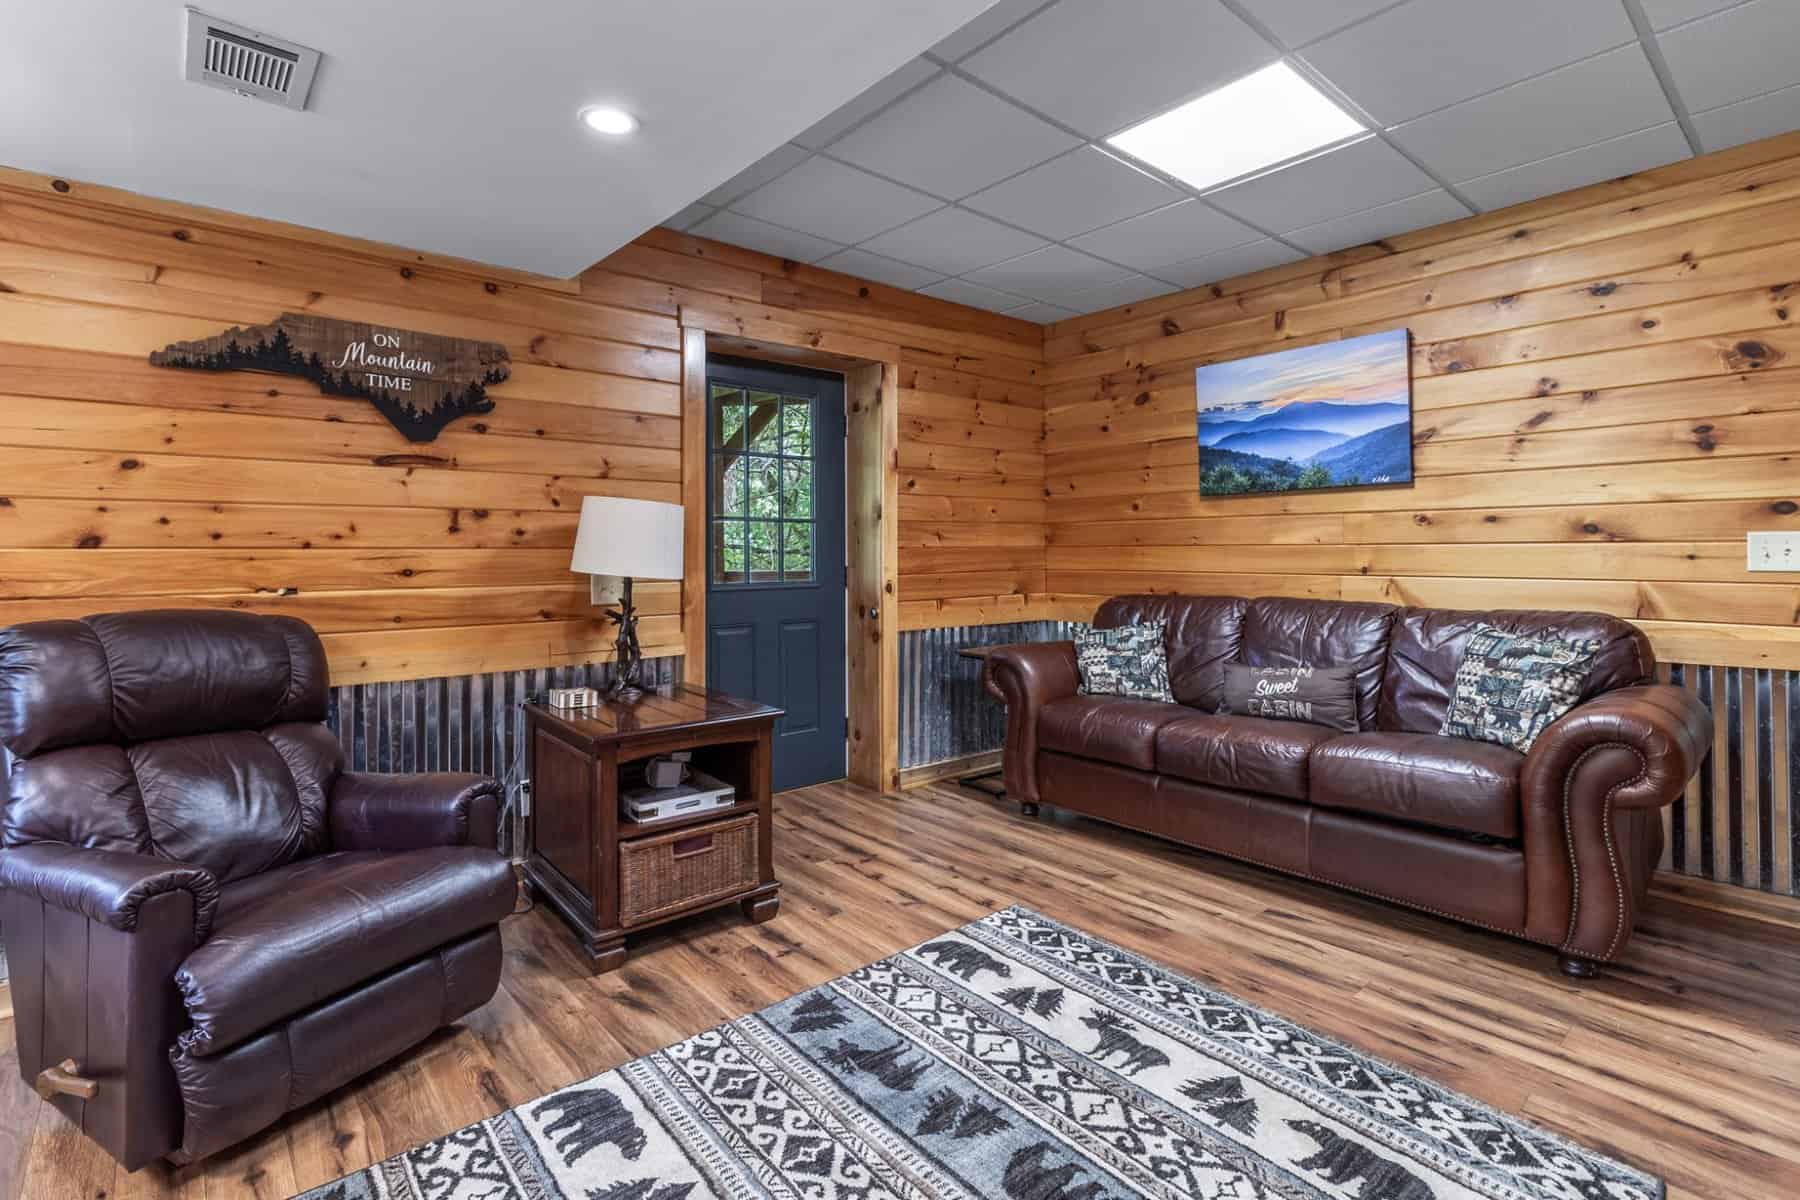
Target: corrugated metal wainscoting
<point x="459" y="723"/>
<point x="944" y="713"/>
<point x="1738" y="822"/>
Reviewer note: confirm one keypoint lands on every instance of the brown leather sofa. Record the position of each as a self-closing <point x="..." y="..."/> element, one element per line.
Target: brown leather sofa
<point x="1555" y="846"/>
<point x="202" y="908"/>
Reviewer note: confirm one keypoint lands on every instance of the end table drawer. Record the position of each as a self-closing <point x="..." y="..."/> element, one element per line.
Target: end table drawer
<point x="672" y="871"/>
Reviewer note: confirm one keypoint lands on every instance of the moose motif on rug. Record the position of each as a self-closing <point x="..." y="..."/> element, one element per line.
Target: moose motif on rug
<point x="1115" y="1038"/>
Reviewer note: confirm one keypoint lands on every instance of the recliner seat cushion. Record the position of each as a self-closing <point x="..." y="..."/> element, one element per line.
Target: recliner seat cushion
<point x="1450" y="783"/>
<point x="1250" y="754"/>
<point x="1109" y="728"/>
<point x="282" y="945"/>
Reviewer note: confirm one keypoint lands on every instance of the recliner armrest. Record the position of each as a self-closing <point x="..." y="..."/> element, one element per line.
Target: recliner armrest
<point x="108" y="886"/>
<point x="1585" y="849"/>
<point x="370" y="811"/>
<point x="1027" y="676"/>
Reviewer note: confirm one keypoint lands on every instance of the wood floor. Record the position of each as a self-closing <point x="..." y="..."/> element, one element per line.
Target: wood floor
<point x="1685" y="1059"/>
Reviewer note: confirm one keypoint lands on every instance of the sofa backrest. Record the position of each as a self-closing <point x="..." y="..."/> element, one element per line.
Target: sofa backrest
<point x="1428" y="644"/>
<point x="1280" y="632"/>
<point x="192" y="735"/>
<point x="1405" y="658"/>
<point x="1205" y="633"/>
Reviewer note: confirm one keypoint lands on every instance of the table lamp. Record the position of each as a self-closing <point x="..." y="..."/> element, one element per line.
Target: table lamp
<point x="619" y="540"/>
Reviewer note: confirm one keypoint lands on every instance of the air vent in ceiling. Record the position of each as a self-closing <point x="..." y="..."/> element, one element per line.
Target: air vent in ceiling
<point x="247" y="62"/>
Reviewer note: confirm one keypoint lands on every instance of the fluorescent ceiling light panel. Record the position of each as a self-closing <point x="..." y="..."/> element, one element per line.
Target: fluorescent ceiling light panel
<point x="1258" y="121"/>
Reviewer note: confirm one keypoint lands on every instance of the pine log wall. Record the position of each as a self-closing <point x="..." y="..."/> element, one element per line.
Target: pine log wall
<point x="1606" y="397"/>
<point x="128" y="486"/>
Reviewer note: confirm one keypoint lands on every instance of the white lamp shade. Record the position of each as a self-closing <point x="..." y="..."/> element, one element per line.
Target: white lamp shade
<point x="641" y="539"/>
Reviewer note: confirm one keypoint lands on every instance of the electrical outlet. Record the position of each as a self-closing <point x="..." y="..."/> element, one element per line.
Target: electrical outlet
<point x="1774" y="550"/>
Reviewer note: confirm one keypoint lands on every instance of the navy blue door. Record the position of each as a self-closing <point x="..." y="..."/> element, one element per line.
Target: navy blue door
<point x="775" y="557"/>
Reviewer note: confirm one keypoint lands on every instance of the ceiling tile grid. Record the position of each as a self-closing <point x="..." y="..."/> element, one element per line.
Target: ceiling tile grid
<point x="979" y="172"/>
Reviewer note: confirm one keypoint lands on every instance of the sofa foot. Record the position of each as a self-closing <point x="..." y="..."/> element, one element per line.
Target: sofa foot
<point x="1028" y="809"/>
<point x="757" y="909"/>
<point x="1578" y="968"/>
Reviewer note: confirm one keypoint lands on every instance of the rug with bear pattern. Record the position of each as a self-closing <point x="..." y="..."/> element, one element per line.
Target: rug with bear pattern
<point x="1015" y="1058"/>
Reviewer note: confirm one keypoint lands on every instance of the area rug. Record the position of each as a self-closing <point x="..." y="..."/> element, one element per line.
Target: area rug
<point x="1014" y="1058"/>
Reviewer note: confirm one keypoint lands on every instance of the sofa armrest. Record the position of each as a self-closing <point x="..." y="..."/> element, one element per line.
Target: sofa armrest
<point x="1590" y="785"/>
<point x="1026" y="677"/>
<point x="108" y="886"/>
<point x="411" y="812"/>
<point x="93" y="940"/>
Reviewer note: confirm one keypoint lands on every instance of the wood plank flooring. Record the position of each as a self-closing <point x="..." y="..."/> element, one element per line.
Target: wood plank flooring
<point x="1684" y="1059"/>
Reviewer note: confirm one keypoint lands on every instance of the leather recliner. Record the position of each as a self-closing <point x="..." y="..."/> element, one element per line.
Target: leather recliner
<point x="1555" y="846"/>
<point x="202" y="909"/>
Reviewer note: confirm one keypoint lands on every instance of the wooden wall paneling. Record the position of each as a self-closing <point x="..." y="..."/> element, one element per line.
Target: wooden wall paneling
<point x="872" y="484"/>
<point x="695" y="560"/>
<point x="127" y="484"/>
<point x="1604" y="404"/>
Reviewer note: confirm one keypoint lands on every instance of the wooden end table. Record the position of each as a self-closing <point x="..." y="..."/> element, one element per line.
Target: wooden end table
<point x="608" y="876"/>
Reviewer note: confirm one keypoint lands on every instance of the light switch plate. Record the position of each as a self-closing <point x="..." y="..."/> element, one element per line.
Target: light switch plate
<point x="1774" y="550"/>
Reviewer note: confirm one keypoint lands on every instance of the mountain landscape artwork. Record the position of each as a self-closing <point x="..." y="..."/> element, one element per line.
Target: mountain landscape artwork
<point x="1330" y="416"/>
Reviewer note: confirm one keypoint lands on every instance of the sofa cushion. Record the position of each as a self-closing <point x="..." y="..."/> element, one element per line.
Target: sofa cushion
<point x="302" y="933"/>
<point x="1251" y="754"/>
<point x="1421" y="777"/>
<point x="1428" y="645"/>
<point x="1109" y="728"/>
<point x="1204" y="633"/>
<point x="1282" y="632"/>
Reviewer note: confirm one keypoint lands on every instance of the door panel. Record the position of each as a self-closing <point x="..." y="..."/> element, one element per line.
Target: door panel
<point x="775" y="555"/>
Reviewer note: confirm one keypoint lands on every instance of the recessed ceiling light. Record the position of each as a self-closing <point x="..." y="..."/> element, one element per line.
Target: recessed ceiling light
<point x="603" y="118"/>
<point x="1256" y="122"/>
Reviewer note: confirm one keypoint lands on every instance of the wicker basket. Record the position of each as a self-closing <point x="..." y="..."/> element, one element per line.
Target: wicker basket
<point x="672" y="871"/>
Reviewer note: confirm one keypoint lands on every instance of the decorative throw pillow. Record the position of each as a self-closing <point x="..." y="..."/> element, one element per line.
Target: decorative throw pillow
<point x="1127" y="661"/>
<point x="1317" y="695"/>
<point x="1510" y="687"/>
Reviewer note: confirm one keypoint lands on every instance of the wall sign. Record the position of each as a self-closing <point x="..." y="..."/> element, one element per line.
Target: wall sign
<point x="419" y="381"/>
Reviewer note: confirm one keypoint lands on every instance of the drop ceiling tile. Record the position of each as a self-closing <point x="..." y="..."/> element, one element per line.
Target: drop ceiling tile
<point x="1053" y="274"/>
<point x="889" y="89"/>
<point x="1080" y="191"/>
<point x="1297" y="22"/>
<point x="777" y="162"/>
<point x="1577" y="168"/>
<point x="961" y="291"/>
<point x="892" y="272"/>
<point x="1736" y="54"/>
<point x="1748" y="120"/>
<point x="1664" y="14"/>
<point x="1402" y="216"/>
<point x="954" y="241"/>
<point x="952" y="138"/>
<point x="829" y="200"/>
<point x="1129" y="290"/>
<point x="690" y="216"/>
<point x="1419" y="57"/>
<point x="985" y="27"/>
<point x="1228" y="264"/>
<point x="1173" y="234"/>
<point x="1099" y="67"/>
<point x="1604" y="97"/>
<point x="1357" y="177"/>
<point x="1042" y="313"/>
<point x="727" y="226"/>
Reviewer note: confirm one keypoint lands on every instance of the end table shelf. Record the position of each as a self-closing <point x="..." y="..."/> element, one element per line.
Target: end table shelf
<point x="607" y="876"/>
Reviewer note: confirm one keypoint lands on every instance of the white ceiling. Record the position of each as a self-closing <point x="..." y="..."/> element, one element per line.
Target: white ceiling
<point x="450" y="125"/>
<point x="975" y="172"/>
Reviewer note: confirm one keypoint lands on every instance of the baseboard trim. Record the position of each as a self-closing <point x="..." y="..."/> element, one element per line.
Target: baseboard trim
<point x="968" y="764"/>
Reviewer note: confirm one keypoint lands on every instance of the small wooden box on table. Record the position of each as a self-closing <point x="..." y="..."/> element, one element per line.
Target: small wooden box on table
<point x="609" y="876"/>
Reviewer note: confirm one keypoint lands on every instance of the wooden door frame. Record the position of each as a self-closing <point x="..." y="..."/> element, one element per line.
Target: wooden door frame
<point x="871" y="531"/>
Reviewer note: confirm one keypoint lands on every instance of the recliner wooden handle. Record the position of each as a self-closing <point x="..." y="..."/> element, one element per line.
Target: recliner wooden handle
<point x="65" y="1079"/>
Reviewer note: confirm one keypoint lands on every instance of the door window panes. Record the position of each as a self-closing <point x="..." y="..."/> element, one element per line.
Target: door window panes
<point x="762" y="475"/>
